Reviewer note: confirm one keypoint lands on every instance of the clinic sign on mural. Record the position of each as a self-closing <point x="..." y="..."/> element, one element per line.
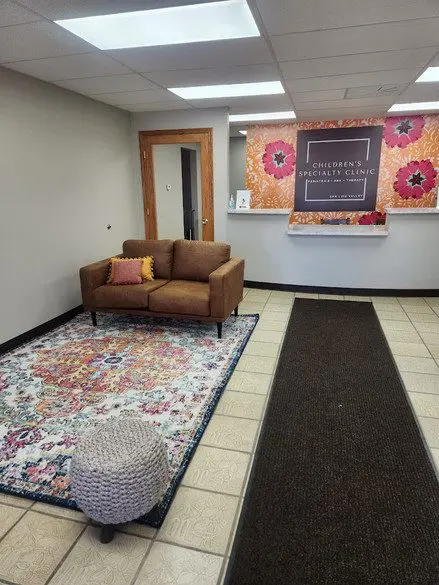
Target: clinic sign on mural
<point x="337" y="169"/>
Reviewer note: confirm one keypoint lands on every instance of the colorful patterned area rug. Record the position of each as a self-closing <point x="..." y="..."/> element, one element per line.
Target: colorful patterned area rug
<point x="170" y="374"/>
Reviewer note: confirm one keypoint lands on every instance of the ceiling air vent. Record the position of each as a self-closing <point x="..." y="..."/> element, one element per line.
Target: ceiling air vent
<point x="374" y="91"/>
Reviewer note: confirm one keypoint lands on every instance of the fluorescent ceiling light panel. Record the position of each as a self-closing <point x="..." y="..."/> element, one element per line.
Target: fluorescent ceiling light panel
<point x="256" y="117"/>
<point x="413" y="107"/>
<point x="231" y="19"/>
<point x="232" y="90"/>
<point x="430" y="74"/>
<point x="243" y="132"/>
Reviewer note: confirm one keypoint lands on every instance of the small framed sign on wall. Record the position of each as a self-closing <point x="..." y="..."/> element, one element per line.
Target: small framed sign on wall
<point x="243" y="198"/>
<point x="337" y="169"/>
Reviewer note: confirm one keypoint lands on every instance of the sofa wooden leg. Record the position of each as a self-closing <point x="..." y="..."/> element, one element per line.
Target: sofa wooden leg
<point x="93" y="318"/>
<point x="236" y="311"/>
<point x="220" y="330"/>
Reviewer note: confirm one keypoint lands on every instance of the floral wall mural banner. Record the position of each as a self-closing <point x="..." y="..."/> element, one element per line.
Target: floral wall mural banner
<point x="407" y="171"/>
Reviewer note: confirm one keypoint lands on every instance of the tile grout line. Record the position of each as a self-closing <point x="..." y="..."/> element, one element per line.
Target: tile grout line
<point x="144" y="559"/>
<point x="188" y="547"/>
<point x="13" y="525"/>
<point x="9" y="582"/>
<point x="428" y="416"/>
<point x="418" y="343"/>
<point x="258" y="435"/>
<point x="59" y="517"/>
<point x="245" y="483"/>
<point x="64" y="558"/>
<point x="418" y="332"/>
<point x="427" y="446"/>
<point x="421" y="391"/>
<point x="216" y="492"/>
<point x="14" y="505"/>
<point x="241" y="417"/>
<point x="225" y="448"/>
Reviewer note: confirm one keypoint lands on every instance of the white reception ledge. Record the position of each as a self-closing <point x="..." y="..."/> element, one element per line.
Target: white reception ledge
<point x="338" y="230"/>
<point x="259" y="211"/>
<point x="412" y="210"/>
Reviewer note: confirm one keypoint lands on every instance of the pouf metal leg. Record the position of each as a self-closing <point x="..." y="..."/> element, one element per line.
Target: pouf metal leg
<point x="107" y="533"/>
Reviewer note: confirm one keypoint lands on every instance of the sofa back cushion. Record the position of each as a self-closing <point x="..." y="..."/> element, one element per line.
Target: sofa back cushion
<point x="161" y="250"/>
<point x="195" y="260"/>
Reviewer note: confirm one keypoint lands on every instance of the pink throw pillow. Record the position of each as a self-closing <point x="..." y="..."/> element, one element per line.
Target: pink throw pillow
<point x="127" y="272"/>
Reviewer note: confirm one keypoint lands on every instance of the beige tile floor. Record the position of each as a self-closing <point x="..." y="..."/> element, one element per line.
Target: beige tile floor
<point x="42" y="544"/>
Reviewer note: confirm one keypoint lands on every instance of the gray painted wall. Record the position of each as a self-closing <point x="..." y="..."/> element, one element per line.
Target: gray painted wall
<point x="169" y="204"/>
<point x="66" y="172"/>
<point x="237" y="163"/>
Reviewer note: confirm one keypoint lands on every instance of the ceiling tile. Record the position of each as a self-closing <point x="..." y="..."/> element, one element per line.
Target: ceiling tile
<point x="288" y="16"/>
<point x="70" y="67"/>
<point x="358" y="80"/>
<point x="420" y="92"/>
<point x="350" y="103"/>
<point x="435" y="62"/>
<point x="195" y="55"/>
<point x="345" y="64"/>
<point x="37" y="41"/>
<point x="239" y="105"/>
<point x="318" y="96"/>
<point x="357" y="39"/>
<point x="107" y="84"/>
<point x="214" y="75"/>
<point x="259" y="105"/>
<point x="138" y="97"/>
<point x="341" y="113"/>
<point x="156" y="107"/>
<point x="12" y="13"/>
<point x="57" y="9"/>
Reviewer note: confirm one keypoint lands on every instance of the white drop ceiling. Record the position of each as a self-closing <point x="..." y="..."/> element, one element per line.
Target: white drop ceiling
<point x="336" y="58"/>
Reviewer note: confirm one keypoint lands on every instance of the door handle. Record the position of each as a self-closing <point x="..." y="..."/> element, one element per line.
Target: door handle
<point x="205" y="221"/>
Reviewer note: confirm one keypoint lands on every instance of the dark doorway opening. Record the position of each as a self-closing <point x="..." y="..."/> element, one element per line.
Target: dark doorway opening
<point x="190" y="194"/>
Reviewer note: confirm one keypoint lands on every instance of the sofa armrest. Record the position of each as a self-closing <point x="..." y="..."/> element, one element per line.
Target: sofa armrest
<point x="93" y="276"/>
<point x="226" y="285"/>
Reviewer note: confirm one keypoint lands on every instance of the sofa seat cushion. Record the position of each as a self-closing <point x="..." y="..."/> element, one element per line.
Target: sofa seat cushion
<point x="182" y="297"/>
<point x="125" y="296"/>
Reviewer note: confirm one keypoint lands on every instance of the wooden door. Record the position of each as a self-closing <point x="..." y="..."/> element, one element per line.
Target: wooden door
<point x="202" y="136"/>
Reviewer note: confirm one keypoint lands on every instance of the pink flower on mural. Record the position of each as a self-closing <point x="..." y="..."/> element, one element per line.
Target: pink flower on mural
<point x="402" y="130"/>
<point x="415" y="179"/>
<point x="279" y="159"/>
<point x="374" y="218"/>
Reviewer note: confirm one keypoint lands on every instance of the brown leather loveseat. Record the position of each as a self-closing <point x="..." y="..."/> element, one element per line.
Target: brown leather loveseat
<point x="192" y="280"/>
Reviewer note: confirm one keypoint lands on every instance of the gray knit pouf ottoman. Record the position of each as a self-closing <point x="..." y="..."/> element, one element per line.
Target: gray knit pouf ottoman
<point x="119" y="472"/>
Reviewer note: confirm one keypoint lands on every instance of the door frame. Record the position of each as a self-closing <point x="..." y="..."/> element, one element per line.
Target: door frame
<point x="201" y="136"/>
